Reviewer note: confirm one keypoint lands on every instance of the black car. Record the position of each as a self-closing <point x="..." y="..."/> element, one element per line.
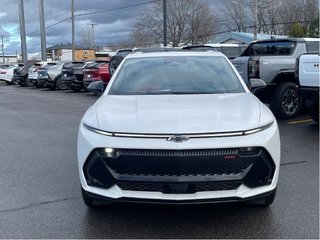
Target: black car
<point x="72" y="75"/>
<point x="16" y="76"/>
<point x="21" y="74"/>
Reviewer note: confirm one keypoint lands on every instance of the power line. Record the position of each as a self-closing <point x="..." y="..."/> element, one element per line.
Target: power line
<point x="52" y="25"/>
<point x="114" y="9"/>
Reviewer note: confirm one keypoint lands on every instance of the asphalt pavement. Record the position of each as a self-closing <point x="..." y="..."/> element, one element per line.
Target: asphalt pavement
<point x="40" y="190"/>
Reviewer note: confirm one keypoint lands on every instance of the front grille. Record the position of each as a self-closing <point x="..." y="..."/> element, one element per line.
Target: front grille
<point x="179" y="171"/>
<point x="79" y="77"/>
<point x="207" y="162"/>
<point x="175" y="188"/>
<point x="198" y="152"/>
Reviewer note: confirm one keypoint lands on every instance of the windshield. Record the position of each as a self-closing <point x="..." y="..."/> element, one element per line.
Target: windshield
<point x="176" y="75"/>
<point x="272" y="48"/>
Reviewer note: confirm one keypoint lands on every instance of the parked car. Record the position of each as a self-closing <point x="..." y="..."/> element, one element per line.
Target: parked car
<point x="50" y="76"/>
<point x="230" y="50"/>
<point x="308" y="77"/>
<point x="20" y="73"/>
<point x="178" y="126"/>
<point x="72" y="75"/>
<point x="273" y="61"/>
<point x="6" y="72"/>
<point x="117" y="59"/>
<point x="96" y="71"/>
<point x="33" y="74"/>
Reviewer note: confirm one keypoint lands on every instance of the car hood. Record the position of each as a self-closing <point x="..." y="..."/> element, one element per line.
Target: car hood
<point x="178" y="114"/>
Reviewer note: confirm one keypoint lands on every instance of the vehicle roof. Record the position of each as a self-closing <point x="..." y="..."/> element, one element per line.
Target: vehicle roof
<point x="287" y="39"/>
<point x="177" y="52"/>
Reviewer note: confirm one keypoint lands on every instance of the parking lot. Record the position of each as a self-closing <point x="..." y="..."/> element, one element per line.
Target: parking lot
<point x="40" y="189"/>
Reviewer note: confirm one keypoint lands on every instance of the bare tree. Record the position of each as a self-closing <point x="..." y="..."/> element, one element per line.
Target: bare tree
<point x="274" y="16"/>
<point x="188" y="21"/>
<point x="298" y="11"/>
<point x="238" y="15"/>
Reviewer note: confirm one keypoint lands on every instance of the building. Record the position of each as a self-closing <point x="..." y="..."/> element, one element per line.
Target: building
<point x="63" y="52"/>
<point x="243" y="37"/>
<point x="7" y="59"/>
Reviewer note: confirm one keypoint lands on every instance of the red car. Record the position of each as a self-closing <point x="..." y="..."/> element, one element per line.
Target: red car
<point x="96" y="71"/>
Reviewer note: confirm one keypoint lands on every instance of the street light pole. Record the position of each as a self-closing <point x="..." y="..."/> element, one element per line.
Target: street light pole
<point x="2" y="49"/>
<point x="73" y="40"/>
<point x="165" y="23"/>
<point x="22" y="32"/>
<point x="42" y="31"/>
<point x="255" y="19"/>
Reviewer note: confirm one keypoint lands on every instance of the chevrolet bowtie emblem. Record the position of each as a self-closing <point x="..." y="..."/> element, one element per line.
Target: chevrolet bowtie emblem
<point x="178" y="138"/>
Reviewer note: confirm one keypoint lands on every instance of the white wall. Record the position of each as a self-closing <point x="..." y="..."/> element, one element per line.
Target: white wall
<point x="66" y="55"/>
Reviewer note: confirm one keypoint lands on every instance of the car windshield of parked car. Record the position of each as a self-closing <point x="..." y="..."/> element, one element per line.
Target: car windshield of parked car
<point x="176" y="75"/>
<point x="272" y="48"/>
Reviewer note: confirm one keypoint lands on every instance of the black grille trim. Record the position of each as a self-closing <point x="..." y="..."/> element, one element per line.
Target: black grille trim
<point x="198" y="152"/>
<point x="172" y="188"/>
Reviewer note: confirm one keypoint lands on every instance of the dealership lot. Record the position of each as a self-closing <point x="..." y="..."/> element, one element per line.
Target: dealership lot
<point x="40" y="190"/>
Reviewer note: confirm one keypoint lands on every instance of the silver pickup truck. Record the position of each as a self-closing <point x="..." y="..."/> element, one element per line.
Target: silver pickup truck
<point x="273" y="61"/>
<point x="308" y="76"/>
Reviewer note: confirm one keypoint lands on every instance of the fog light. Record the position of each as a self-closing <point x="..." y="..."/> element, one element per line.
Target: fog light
<point x="110" y="152"/>
<point x="248" y="150"/>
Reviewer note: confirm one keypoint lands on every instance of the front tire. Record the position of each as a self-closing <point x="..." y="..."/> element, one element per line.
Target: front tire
<point x="28" y="82"/>
<point x="60" y="85"/>
<point x="285" y="102"/>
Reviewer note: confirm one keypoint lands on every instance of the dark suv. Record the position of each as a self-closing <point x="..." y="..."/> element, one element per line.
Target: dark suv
<point x="72" y="75"/>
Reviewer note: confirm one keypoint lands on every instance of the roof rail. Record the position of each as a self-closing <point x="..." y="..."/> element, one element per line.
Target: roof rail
<point x="150" y="50"/>
<point x="201" y="48"/>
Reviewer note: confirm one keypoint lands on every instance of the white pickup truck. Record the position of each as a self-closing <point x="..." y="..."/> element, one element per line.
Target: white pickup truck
<point x="308" y="75"/>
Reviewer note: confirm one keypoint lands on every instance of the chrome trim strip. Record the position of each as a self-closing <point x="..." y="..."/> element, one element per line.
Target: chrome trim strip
<point x="191" y="135"/>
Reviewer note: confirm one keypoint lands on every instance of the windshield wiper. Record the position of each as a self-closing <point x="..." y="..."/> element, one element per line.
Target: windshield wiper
<point x="168" y="91"/>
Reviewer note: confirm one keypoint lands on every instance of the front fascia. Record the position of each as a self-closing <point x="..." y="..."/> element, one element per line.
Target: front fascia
<point x="268" y="139"/>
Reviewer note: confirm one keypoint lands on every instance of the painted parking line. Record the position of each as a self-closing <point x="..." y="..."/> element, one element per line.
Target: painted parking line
<point x="300" y="121"/>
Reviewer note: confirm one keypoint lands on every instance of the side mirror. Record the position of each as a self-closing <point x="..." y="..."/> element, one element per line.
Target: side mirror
<point x="97" y="87"/>
<point x="257" y="85"/>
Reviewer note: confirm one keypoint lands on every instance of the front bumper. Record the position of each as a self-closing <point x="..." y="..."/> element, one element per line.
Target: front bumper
<point x="102" y="199"/>
<point x="33" y="81"/>
<point x="67" y="81"/>
<point x="16" y="79"/>
<point x="86" y="83"/>
<point x="50" y="83"/>
<point x="310" y="93"/>
<point x="77" y="83"/>
<point x="213" y="187"/>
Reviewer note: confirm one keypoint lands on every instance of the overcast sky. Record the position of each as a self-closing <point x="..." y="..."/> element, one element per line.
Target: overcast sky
<point x="114" y="24"/>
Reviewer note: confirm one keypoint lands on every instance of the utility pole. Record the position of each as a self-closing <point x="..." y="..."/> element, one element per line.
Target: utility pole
<point x="42" y="31"/>
<point x="93" y="37"/>
<point x="22" y="32"/>
<point x="2" y="49"/>
<point x="255" y="19"/>
<point x="72" y="20"/>
<point x="165" y="41"/>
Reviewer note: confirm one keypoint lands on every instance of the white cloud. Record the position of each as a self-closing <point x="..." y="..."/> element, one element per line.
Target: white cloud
<point x="2" y="14"/>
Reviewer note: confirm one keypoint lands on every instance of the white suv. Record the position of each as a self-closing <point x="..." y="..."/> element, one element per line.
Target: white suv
<point x="178" y="126"/>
